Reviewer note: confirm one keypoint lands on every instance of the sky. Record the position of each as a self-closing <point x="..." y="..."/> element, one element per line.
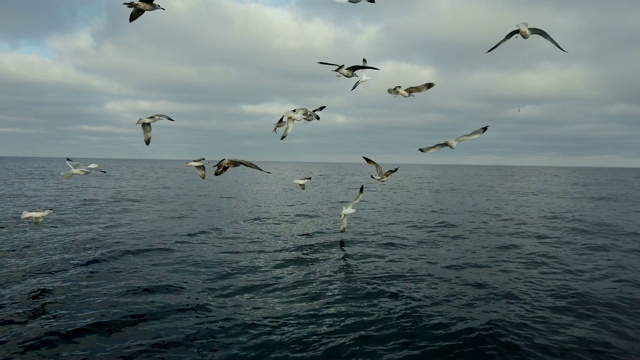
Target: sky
<point x="76" y="76"/>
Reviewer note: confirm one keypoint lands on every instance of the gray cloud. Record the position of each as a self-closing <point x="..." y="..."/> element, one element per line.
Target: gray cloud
<point x="227" y="70"/>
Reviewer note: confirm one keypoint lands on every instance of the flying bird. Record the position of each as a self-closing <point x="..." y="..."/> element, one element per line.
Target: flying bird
<point x="146" y="125"/>
<point x="199" y="165"/>
<point x="299" y="114"/>
<point x="302" y="182"/>
<point x="348" y="210"/>
<point x="139" y="7"/>
<point x="348" y="72"/>
<point x="525" y="31"/>
<point x="363" y="77"/>
<point x="408" y="92"/>
<point x="79" y="169"/>
<point x="382" y="177"/>
<point x="355" y="1"/>
<point x="452" y="143"/>
<point x="224" y="164"/>
<point x="36" y="215"/>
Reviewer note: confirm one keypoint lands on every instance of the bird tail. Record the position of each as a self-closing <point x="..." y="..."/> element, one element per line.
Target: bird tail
<point x="25" y="215"/>
<point x="129" y="4"/>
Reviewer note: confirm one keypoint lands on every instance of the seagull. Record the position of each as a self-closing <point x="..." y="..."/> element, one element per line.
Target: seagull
<point x="362" y="78"/>
<point x="79" y="169"/>
<point x="452" y="143"/>
<point x="348" y="72"/>
<point x="224" y="164"/>
<point x="139" y="7"/>
<point x="382" y="177"/>
<point x="408" y="92"/>
<point x="146" y="125"/>
<point x="199" y="165"/>
<point x="525" y="31"/>
<point x="355" y="1"/>
<point x="348" y="210"/>
<point x="36" y="215"/>
<point x="302" y="182"/>
<point x="299" y="114"/>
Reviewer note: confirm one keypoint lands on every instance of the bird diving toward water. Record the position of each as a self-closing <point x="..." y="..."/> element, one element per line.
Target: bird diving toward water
<point x="36" y="215"/>
<point x="224" y="165"/>
<point x="408" y="92"/>
<point x="199" y="165"/>
<point x="382" y="176"/>
<point x="452" y="143"/>
<point x="348" y="210"/>
<point x="79" y="169"/>
<point x="525" y="31"/>
<point x="348" y="72"/>
<point x="139" y="7"/>
<point x="146" y="125"/>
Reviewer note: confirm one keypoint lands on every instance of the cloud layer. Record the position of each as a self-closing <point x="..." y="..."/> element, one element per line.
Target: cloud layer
<point x="76" y="77"/>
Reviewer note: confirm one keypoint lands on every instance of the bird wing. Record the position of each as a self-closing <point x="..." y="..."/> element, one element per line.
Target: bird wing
<point x="472" y="135"/>
<point x="357" y="199"/>
<point x="161" y="116"/>
<point x="343" y="222"/>
<point x="433" y="148"/>
<point x="147" y="1"/>
<point x="37" y="219"/>
<point x="135" y="14"/>
<point x="509" y="36"/>
<point x="146" y="131"/>
<point x="419" y="88"/>
<point x="247" y="164"/>
<point x="74" y="164"/>
<point x="319" y="109"/>
<point x="371" y="162"/>
<point x="290" y="123"/>
<point x="360" y="67"/>
<point x="326" y="63"/>
<point x="536" y="31"/>
<point x="201" y="171"/>
<point x="389" y="172"/>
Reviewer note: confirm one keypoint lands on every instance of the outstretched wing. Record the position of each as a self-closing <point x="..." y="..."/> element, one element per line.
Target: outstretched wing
<point x="247" y="164"/>
<point x="326" y="63"/>
<point x="472" y="135"/>
<point x="201" y="171"/>
<point x="389" y="172"/>
<point x="419" y="88"/>
<point x="146" y="131"/>
<point x="536" y="31"/>
<point x="74" y="164"/>
<point x="290" y="123"/>
<point x="509" y="36"/>
<point x="135" y="13"/>
<point x="357" y="199"/>
<point x="371" y="162"/>
<point x="360" y="67"/>
<point x="433" y="148"/>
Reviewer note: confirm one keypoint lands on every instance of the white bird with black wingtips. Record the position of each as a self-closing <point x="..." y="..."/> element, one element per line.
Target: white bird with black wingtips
<point x="382" y="176"/>
<point x="525" y="31"/>
<point x="348" y="210"/>
<point x="146" y="125"/>
<point x="452" y="143"/>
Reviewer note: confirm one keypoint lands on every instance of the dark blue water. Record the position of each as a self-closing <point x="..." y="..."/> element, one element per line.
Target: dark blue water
<point x="442" y="262"/>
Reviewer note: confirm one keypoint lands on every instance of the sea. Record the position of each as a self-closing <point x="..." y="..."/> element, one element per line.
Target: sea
<point x="148" y="261"/>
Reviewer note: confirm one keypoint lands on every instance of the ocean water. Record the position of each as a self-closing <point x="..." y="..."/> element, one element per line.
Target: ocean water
<point x="441" y="262"/>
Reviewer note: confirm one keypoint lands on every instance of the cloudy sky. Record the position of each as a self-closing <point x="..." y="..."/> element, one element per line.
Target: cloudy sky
<point x="75" y="76"/>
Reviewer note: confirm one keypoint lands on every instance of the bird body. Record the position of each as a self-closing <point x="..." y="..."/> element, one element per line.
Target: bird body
<point x="199" y="165"/>
<point x="525" y="31"/>
<point x="348" y="210"/>
<point x="79" y="169"/>
<point x="348" y="72"/>
<point x="146" y="125"/>
<point x="139" y="7"/>
<point x="302" y="182"/>
<point x="37" y="215"/>
<point x="382" y="176"/>
<point x="453" y="143"/>
<point x="223" y="165"/>
<point x="408" y="92"/>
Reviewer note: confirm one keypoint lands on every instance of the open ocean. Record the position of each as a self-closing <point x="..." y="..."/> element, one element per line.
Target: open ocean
<point x="441" y="262"/>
